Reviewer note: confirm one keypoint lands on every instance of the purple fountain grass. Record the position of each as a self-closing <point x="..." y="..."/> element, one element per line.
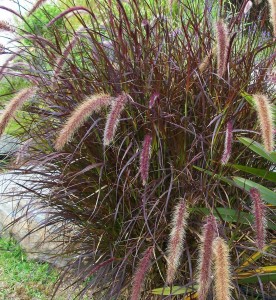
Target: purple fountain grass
<point x="155" y="97"/>
<point x="145" y="158"/>
<point x="140" y="274"/>
<point x="61" y="60"/>
<point x="205" y="257"/>
<point x="112" y="121"/>
<point x="222" y="274"/>
<point x="36" y="6"/>
<point x="206" y="61"/>
<point x="247" y="7"/>
<point x="14" y="105"/>
<point x="222" y="37"/>
<point x="79" y="116"/>
<point x="228" y="143"/>
<point x="67" y="11"/>
<point x="272" y="4"/>
<point x="176" y="239"/>
<point x="11" y="11"/>
<point x="6" y="63"/>
<point x="259" y="217"/>
<point x="5" y="26"/>
<point x="264" y="111"/>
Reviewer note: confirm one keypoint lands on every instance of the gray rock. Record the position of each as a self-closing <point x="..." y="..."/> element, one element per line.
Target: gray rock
<point x="38" y="244"/>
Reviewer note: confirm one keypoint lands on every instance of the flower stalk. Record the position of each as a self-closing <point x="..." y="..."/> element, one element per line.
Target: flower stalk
<point x="176" y="239"/>
<point x="79" y="116"/>
<point x="205" y="257"/>
<point x="222" y="274"/>
<point x="264" y="111"/>
<point x="259" y="217"/>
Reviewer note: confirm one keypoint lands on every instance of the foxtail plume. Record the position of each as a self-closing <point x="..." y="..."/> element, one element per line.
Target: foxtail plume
<point x="247" y="7"/>
<point x="13" y="105"/>
<point x="176" y="239"/>
<point x="36" y="6"/>
<point x="205" y="257"/>
<point x="112" y="121"/>
<point x="206" y="61"/>
<point x="4" y="26"/>
<point x="79" y="116"/>
<point x="228" y="143"/>
<point x="272" y="4"/>
<point x="145" y="158"/>
<point x="264" y="111"/>
<point x="223" y="42"/>
<point x="140" y="274"/>
<point x="259" y="217"/>
<point x="222" y="275"/>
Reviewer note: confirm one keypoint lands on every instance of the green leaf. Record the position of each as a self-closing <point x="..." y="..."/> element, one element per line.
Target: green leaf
<point x="232" y="215"/>
<point x="248" y="98"/>
<point x="258" y="172"/>
<point x="270" y="277"/>
<point x="258" y="148"/>
<point x="174" y="290"/>
<point x="246" y="184"/>
<point x="217" y="176"/>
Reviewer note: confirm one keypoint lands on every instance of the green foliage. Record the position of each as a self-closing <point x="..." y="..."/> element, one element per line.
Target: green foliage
<point x="9" y="86"/>
<point x="35" y="23"/>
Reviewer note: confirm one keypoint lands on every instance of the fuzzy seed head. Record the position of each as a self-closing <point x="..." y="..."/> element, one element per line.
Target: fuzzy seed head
<point x="79" y="116"/>
<point x="4" y="26"/>
<point x="140" y="274"/>
<point x="264" y="111"/>
<point x="36" y="6"/>
<point x="145" y="158"/>
<point x="15" y="104"/>
<point x="222" y="275"/>
<point x="272" y="5"/>
<point x="205" y="257"/>
<point x="176" y="239"/>
<point x="223" y="42"/>
<point x="259" y="209"/>
<point x="113" y="117"/>
<point x="228" y="143"/>
<point x="247" y="7"/>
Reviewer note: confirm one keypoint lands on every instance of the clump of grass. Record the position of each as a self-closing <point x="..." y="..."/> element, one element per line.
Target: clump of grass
<point x="186" y="73"/>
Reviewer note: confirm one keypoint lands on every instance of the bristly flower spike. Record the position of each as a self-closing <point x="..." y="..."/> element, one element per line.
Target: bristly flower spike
<point x="228" y="143"/>
<point x="223" y="42"/>
<point x="13" y="105"/>
<point x="264" y="111"/>
<point x="145" y="158"/>
<point x="140" y="274"/>
<point x="205" y="257"/>
<point x="222" y="275"/>
<point x="36" y="6"/>
<point x="176" y="239"/>
<point x="113" y="117"/>
<point x="79" y="116"/>
<point x="259" y="217"/>
<point x="4" y="26"/>
<point x="272" y="4"/>
<point x="247" y="7"/>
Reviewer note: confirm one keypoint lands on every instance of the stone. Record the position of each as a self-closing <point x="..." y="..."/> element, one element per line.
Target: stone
<point x="17" y="218"/>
